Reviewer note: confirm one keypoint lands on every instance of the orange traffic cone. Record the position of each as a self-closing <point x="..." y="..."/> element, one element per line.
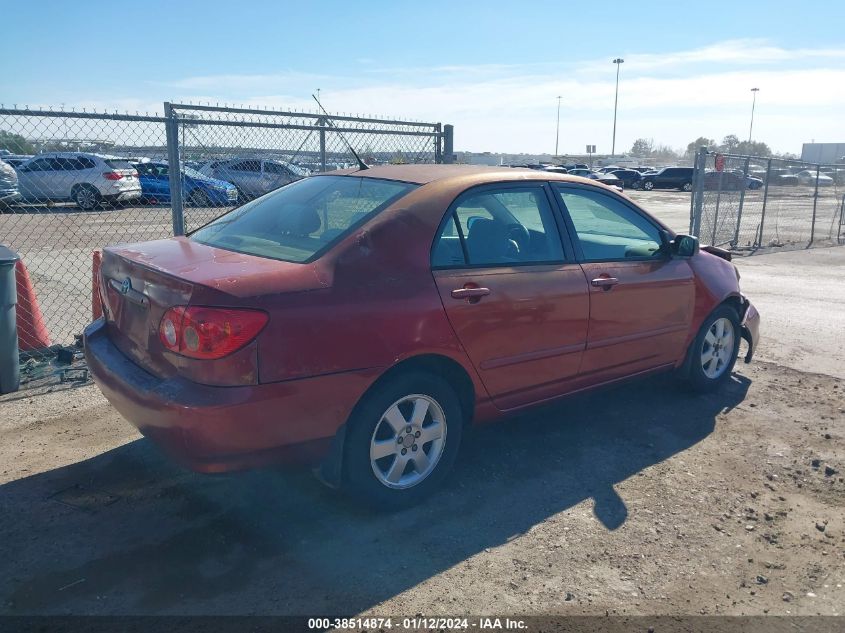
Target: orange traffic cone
<point x="32" y="332"/>
<point x="96" y="304"/>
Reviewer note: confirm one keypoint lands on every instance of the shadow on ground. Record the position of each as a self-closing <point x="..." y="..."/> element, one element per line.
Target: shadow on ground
<point x="127" y="532"/>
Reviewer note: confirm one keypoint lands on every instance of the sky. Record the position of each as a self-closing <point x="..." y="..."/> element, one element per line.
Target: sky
<point x="492" y="69"/>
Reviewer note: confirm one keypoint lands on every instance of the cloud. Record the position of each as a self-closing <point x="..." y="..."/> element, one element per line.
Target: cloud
<point x="672" y="97"/>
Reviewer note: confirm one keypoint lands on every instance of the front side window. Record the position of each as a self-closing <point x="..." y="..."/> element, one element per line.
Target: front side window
<point x="300" y="221"/>
<point x="607" y="229"/>
<point x="499" y="227"/>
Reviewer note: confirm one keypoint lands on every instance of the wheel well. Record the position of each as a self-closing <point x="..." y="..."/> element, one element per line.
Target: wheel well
<point x="83" y="185"/>
<point x="442" y="366"/>
<point x="737" y="304"/>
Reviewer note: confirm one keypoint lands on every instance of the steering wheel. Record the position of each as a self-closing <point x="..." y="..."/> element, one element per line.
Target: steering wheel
<point x="519" y="234"/>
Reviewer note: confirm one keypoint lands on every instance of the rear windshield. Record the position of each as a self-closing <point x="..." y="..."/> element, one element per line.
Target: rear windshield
<point x="117" y="163"/>
<point x="302" y="220"/>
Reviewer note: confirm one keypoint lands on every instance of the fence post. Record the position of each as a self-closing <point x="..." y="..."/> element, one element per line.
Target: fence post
<point x="741" y="202"/>
<point x="448" y="144"/>
<point x="438" y="139"/>
<point x="759" y="242"/>
<point x="815" y="203"/>
<point x="697" y="201"/>
<point x="322" y="123"/>
<point x="174" y="169"/>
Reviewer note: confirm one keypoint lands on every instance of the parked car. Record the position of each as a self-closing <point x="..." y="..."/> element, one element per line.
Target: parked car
<point x="808" y="177"/>
<point x="197" y="189"/>
<point x="669" y="178"/>
<point x="86" y="179"/>
<point x="608" y="169"/>
<point x="253" y="176"/>
<point x="9" y="192"/>
<point x="724" y="180"/>
<point x="753" y="182"/>
<point x="16" y="160"/>
<point x="273" y="333"/>
<point x="631" y="178"/>
<point x="557" y="169"/>
<point x="606" y="179"/>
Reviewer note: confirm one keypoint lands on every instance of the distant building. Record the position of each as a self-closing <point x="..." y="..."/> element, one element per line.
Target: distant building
<point x="824" y="153"/>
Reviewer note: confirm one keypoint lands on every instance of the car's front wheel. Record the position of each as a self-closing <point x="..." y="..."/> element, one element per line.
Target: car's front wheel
<point x="402" y="440"/>
<point x="715" y="349"/>
<point x="687" y="186"/>
<point x="648" y="185"/>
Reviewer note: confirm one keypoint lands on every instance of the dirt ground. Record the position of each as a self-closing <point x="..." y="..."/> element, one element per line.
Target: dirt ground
<point x="642" y="499"/>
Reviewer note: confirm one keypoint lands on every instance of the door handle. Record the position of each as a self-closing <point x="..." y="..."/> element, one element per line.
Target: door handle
<point x="470" y="293"/>
<point x="605" y="283"/>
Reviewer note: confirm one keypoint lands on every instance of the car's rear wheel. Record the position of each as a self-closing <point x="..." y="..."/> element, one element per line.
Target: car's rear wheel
<point x="402" y="440"/>
<point x="713" y="353"/>
<point x="687" y="186"/>
<point x="86" y="197"/>
<point x="648" y="185"/>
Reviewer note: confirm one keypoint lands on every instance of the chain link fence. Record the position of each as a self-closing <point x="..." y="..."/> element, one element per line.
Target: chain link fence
<point x="746" y="203"/>
<point x="87" y="180"/>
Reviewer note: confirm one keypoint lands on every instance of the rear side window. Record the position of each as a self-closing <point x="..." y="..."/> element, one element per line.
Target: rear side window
<point x="247" y="165"/>
<point x="299" y="222"/>
<point x="498" y="227"/>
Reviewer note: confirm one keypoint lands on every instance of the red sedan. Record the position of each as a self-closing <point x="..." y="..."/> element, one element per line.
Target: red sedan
<point x="359" y="321"/>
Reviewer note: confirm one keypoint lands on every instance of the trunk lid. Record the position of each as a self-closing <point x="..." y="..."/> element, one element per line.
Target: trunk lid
<point x="139" y="282"/>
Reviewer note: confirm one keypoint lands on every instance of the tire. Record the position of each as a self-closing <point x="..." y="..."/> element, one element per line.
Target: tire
<point x="373" y="427"/>
<point x="636" y="185"/>
<point x="199" y="198"/>
<point x="687" y="186"/>
<point x="648" y="185"/>
<point x="704" y="376"/>
<point x="86" y="197"/>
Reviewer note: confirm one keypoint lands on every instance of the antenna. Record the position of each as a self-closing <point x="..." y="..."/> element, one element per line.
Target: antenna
<point x="361" y="164"/>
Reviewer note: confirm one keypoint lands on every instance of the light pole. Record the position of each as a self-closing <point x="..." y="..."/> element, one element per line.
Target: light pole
<point x="618" y="61"/>
<point x="557" y="129"/>
<point x="753" y="103"/>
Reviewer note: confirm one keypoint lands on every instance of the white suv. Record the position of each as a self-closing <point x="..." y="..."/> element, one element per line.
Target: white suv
<point x="86" y="179"/>
<point x="253" y="176"/>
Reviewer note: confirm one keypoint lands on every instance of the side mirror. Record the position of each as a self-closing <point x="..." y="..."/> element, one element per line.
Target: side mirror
<point x="683" y="246"/>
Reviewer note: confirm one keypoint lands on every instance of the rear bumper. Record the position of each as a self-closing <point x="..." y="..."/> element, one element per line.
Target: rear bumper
<point x="751" y="330"/>
<point x="219" y="429"/>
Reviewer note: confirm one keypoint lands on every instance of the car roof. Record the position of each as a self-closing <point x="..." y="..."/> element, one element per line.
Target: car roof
<point x="468" y="175"/>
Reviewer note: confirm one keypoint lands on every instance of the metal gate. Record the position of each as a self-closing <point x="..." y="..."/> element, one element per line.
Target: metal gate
<point x="752" y="202"/>
<point x="55" y="230"/>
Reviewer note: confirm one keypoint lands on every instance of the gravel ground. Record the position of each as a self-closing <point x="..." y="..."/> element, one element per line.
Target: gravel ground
<point x="642" y="499"/>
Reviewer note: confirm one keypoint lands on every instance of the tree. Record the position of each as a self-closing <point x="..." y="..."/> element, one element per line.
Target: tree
<point x="753" y="148"/>
<point x="701" y="141"/>
<point x="729" y="143"/>
<point x="642" y="147"/>
<point x="15" y="143"/>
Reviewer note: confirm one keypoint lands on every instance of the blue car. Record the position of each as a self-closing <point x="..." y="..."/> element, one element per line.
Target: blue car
<point x="197" y="189"/>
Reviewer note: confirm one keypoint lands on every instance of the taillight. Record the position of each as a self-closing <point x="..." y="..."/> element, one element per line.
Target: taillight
<point x="112" y="175"/>
<point x="207" y="333"/>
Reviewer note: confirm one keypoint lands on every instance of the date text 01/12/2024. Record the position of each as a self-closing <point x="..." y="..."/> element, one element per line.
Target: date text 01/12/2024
<point x="417" y="623"/>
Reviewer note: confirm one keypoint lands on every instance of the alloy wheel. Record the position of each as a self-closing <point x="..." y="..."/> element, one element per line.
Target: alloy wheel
<point x="717" y="348"/>
<point x="86" y="198"/>
<point x="408" y="441"/>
